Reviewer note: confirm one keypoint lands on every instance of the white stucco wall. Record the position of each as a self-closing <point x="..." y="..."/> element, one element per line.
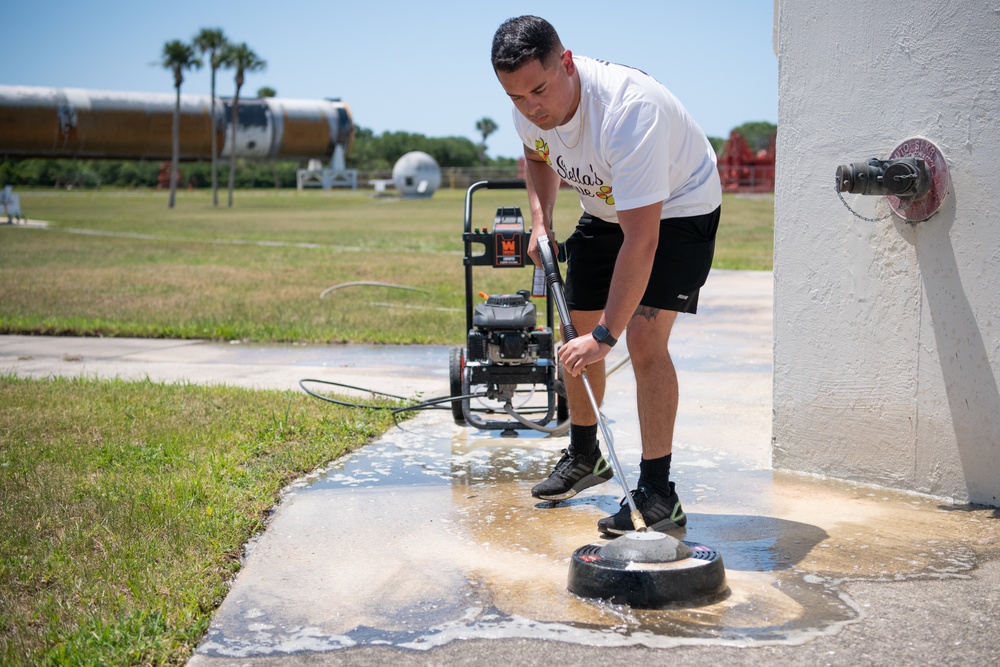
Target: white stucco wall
<point x="887" y="334"/>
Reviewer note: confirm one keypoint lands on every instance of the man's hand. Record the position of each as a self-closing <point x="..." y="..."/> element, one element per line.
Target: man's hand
<point x="580" y="352"/>
<point x="533" y="244"/>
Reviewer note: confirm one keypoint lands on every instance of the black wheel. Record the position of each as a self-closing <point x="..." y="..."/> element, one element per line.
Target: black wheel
<point x="456" y="369"/>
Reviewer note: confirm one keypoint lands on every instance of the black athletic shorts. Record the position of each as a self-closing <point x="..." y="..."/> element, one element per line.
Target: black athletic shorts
<point x="683" y="260"/>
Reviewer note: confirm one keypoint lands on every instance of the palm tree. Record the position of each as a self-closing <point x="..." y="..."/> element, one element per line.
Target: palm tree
<point x="486" y="127"/>
<point x="177" y="57"/>
<point x="212" y="41"/>
<point x="242" y="59"/>
<point x="262" y="92"/>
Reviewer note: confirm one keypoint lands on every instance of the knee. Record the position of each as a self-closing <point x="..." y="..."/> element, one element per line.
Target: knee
<point x="646" y="351"/>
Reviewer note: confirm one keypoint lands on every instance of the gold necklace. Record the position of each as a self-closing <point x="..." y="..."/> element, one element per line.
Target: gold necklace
<point x="579" y="132"/>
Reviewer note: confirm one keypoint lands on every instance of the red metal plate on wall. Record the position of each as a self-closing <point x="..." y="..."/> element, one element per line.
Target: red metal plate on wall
<point x="916" y="210"/>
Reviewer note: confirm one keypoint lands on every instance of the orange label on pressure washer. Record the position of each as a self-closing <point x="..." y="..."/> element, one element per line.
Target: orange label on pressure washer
<point x="508" y="246"/>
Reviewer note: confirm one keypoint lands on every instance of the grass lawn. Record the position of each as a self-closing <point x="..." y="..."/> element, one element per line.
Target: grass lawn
<point x="125" y="505"/>
<point x="120" y="263"/>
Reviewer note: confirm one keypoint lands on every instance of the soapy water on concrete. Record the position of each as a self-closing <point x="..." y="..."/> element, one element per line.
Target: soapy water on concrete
<point x="454" y="514"/>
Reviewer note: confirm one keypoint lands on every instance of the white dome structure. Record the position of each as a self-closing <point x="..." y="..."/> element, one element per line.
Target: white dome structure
<point x="416" y="174"/>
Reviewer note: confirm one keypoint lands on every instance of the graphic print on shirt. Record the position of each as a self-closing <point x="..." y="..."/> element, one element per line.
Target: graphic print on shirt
<point x="542" y="149"/>
<point x="587" y="183"/>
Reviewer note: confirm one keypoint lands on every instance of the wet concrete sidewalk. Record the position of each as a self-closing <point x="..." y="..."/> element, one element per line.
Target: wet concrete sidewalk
<point x="427" y="548"/>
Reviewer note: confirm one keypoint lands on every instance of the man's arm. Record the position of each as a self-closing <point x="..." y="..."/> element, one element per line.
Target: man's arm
<point x="641" y="227"/>
<point x="543" y="188"/>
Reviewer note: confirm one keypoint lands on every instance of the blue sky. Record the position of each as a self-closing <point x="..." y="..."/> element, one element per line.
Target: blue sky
<point x="409" y="66"/>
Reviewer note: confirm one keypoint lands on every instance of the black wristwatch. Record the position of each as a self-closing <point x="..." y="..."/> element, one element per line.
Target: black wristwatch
<point x="602" y="335"/>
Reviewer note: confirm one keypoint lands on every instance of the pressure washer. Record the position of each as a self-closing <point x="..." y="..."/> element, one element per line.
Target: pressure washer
<point x="507" y="376"/>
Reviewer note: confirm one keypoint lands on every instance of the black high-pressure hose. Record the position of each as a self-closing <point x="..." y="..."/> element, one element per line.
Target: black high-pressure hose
<point x="429" y="404"/>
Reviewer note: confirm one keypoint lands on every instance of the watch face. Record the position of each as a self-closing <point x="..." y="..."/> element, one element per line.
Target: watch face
<point x="602" y="335"/>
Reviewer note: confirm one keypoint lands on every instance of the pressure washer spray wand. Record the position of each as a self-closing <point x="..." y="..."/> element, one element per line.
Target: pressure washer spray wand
<point x="554" y="281"/>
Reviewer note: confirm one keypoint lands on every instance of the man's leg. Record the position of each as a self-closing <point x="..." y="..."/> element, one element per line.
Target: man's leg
<point x="647" y="336"/>
<point x="582" y="465"/>
<point x="656" y="389"/>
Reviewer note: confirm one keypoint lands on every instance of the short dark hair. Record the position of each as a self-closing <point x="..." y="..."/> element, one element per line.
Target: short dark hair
<point x="521" y="39"/>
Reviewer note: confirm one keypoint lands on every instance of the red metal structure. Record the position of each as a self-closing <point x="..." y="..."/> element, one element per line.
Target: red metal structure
<point x="742" y="170"/>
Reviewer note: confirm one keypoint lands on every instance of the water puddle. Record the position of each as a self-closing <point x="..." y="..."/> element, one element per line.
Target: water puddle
<point x="431" y="536"/>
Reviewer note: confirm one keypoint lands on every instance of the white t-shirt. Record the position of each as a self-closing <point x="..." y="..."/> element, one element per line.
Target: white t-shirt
<point x="638" y="146"/>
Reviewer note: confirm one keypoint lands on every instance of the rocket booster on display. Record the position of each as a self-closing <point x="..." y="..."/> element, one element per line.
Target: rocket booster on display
<point x="97" y="124"/>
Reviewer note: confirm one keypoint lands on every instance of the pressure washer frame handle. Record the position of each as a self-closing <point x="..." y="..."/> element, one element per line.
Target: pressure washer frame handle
<point x="554" y="280"/>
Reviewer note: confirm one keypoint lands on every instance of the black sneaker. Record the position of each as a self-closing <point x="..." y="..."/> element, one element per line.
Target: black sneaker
<point x="659" y="513"/>
<point x="572" y="474"/>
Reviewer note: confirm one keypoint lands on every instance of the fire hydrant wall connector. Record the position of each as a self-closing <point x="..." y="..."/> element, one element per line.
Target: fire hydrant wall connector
<point x="914" y="179"/>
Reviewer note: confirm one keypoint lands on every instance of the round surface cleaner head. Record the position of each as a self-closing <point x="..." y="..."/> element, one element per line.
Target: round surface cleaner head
<point x="647" y="570"/>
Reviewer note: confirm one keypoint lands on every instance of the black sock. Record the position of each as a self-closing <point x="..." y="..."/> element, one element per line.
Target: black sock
<point x="655" y="474"/>
<point x="583" y="440"/>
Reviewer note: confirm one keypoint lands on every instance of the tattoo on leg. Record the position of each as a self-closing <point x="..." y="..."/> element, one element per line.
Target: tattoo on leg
<point x="648" y="312"/>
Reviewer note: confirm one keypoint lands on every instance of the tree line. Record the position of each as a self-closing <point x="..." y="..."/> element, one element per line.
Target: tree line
<point x="69" y="173"/>
<point x="370" y="153"/>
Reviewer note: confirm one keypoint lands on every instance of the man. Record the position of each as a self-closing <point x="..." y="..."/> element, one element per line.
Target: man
<point x="648" y="184"/>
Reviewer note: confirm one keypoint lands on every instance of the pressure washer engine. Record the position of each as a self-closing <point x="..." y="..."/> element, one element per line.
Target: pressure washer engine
<point x="495" y="378"/>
